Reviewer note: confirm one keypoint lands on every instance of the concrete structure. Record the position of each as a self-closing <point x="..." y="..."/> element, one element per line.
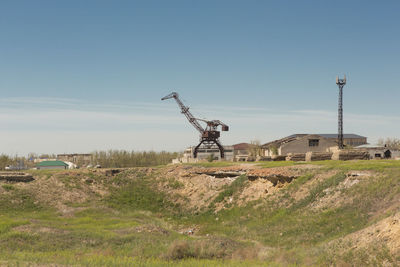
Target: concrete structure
<point x="52" y="164"/>
<point x="380" y="152"/>
<point x="77" y="159"/>
<point x="204" y="154"/>
<point x="241" y="151"/>
<point x="298" y="144"/>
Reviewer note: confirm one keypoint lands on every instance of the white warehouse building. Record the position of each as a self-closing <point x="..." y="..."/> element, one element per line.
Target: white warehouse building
<point x="204" y="153"/>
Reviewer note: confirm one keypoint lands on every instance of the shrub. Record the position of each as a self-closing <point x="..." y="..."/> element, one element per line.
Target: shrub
<point x="213" y="248"/>
<point x="180" y="249"/>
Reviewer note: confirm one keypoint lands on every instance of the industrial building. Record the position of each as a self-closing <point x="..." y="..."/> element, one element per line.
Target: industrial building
<point x="241" y="152"/>
<point x="380" y="152"/>
<point x="77" y="159"/>
<point x="51" y="164"/>
<point x="303" y="143"/>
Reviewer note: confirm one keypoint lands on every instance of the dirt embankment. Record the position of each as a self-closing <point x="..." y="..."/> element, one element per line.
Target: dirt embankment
<point x="62" y="189"/>
<point x="384" y="233"/>
<point x="192" y="186"/>
<point x="199" y="186"/>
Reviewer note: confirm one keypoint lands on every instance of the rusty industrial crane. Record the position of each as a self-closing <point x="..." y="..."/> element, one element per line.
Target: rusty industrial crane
<point x="209" y="135"/>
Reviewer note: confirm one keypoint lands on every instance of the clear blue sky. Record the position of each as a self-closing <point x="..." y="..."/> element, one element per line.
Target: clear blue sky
<point x="76" y="76"/>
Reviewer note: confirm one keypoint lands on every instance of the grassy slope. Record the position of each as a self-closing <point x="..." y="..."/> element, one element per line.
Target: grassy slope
<point x="135" y="225"/>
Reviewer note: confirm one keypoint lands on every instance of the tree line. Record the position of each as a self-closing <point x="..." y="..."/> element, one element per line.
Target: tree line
<point x="123" y="158"/>
<point x="6" y="160"/>
<point x="106" y="159"/>
<point x="389" y="142"/>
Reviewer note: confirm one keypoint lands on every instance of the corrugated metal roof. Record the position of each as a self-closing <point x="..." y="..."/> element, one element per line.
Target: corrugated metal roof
<point x="370" y="146"/>
<point x="329" y="135"/>
<point x="344" y="135"/>
<point x="52" y="163"/>
<point x="241" y="146"/>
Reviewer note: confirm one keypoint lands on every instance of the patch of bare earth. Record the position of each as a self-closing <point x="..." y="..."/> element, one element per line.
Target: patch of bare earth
<point x="196" y="190"/>
<point x="268" y="183"/>
<point x="32" y="228"/>
<point x="384" y="233"/>
<point x="56" y="192"/>
<point x="256" y="189"/>
<point x="146" y="228"/>
<point x="336" y="197"/>
<point x="304" y="190"/>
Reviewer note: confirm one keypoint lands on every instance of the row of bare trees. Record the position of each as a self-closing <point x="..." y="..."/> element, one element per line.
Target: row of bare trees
<point x="6" y="160"/>
<point x="106" y="159"/>
<point x="123" y="158"/>
<point x="389" y="142"/>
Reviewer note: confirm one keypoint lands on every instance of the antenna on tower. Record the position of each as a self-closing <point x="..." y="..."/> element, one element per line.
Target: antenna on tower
<point x="340" y="83"/>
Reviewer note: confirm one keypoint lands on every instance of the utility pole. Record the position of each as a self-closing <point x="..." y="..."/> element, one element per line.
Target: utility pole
<point x="340" y="83"/>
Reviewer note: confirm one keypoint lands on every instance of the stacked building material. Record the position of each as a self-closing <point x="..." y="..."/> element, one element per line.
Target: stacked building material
<point x="296" y="157"/>
<point x="315" y="156"/>
<point x="263" y="158"/>
<point x="350" y="155"/>
<point x="16" y="177"/>
<point x="278" y="158"/>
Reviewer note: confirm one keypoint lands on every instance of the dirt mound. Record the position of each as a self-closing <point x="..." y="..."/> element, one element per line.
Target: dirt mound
<point x="199" y="186"/>
<point x="61" y="189"/>
<point x="385" y="232"/>
<point x="194" y="190"/>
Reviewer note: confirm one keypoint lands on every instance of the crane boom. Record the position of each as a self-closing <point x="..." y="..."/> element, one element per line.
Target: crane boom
<point x="185" y="111"/>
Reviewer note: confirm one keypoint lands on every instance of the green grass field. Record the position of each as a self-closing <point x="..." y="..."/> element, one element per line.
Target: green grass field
<point x="137" y="224"/>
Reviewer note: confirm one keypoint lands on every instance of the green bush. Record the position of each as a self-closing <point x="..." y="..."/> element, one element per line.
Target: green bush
<point x="8" y="187"/>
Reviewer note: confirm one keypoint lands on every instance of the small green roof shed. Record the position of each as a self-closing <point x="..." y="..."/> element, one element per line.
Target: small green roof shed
<point x="52" y="164"/>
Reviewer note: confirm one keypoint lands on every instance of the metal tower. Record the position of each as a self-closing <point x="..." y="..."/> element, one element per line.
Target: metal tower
<point x="340" y="83"/>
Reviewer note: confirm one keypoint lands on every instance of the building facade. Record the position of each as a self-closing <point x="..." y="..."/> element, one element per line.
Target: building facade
<point x="77" y="159"/>
<point x="380" y="152"/>
<point x="241" y="151"/>
<point x="298" y="144"/>
<point x="204" y="153"/>
<point x="303" y="143"/>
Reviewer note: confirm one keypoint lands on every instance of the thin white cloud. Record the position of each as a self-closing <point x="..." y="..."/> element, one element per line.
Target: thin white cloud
<point x="39" y="101"/>
<point x="41" y="125"/>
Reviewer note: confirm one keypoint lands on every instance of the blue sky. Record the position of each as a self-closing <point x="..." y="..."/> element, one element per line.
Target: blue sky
<point x="76" y="76"/>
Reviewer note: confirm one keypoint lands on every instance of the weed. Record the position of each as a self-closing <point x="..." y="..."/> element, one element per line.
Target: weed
<point x="8" y="187"/>
<point x="228" y="190"/>
<point x="175" y="184"/>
